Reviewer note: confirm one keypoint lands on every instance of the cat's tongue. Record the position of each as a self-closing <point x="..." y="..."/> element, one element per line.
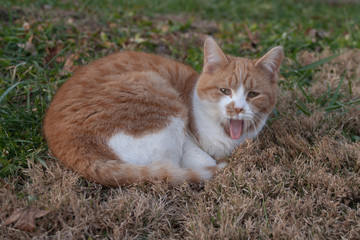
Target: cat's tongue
<point x="236" y="128"/>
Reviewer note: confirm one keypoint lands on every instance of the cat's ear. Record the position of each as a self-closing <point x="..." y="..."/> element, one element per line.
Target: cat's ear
<point x="272" y="60"/>
<point x="214" y="58"/>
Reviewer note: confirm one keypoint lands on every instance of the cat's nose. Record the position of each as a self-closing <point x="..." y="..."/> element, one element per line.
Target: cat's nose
<point x="239" y="110"/>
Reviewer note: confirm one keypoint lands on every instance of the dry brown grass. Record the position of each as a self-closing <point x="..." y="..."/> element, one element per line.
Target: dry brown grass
<point x="299" y="180"/>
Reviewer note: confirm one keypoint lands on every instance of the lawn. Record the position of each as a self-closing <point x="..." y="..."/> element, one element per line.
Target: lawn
<point x="299" y="179"/>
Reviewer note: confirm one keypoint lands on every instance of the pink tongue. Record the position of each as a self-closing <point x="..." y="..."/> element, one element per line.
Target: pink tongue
<point x="236" y="128"/>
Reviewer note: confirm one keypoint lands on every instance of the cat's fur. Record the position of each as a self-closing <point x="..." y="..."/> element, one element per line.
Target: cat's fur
<point x="136" y="117"/>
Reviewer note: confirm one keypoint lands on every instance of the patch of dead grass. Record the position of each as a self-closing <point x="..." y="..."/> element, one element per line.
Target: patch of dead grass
<point x="330" y="74"/>
<point x="293" y="182"/>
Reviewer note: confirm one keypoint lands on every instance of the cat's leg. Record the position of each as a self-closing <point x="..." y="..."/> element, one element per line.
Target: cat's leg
<point x="195" y="158"/>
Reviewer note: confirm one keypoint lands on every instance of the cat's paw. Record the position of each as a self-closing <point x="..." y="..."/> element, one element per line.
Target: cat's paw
<point x="217" y="168"/>
<point x="221" y="165"/>
<point x="206" y="173"/>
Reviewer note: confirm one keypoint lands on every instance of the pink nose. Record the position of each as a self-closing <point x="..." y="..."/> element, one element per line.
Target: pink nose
<point x="238" y="110"/>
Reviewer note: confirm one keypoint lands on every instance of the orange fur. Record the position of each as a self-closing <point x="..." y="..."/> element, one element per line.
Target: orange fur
<point x="136" y="93"/>
<point x="129" y="91"/>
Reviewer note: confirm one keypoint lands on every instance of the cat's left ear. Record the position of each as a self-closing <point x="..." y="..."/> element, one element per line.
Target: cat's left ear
<point x="272" y="60"/>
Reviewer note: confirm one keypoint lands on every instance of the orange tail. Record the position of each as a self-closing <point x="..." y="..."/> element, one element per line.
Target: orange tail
<point x="115" y="173"/>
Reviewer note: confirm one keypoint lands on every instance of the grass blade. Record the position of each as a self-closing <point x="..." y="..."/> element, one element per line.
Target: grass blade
<point x="304" y="93"/>
<point x="303" y="107"/>
<point x="318" y="63"/>
<point x="11" y="88"/>
<point x="53" y="59"/>
<point x="350" y="88"/>
<point x="336" y="94"/>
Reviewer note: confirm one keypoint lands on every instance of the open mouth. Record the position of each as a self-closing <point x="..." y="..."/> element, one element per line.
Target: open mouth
<point x="236" y="128"/>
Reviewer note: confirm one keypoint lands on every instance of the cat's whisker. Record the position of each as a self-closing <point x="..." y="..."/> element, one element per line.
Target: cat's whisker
<point x="253" y="123"/>
<point x="258" y="118"/>
<point x="261" y="121"/>
<point x="219" y="119"/>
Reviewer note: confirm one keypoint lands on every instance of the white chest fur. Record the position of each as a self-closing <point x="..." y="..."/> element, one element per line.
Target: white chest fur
<point x="212" y="137"/>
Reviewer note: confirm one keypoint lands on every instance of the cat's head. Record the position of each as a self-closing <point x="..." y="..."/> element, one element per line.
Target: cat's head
<point x="238" y="93"/>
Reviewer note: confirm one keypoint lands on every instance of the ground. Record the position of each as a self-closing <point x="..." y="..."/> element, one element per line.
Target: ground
<point x="299" y="179"/>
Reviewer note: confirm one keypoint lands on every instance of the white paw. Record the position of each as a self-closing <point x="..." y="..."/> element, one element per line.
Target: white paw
<point x="221" y="165"/>
<point x="204" y="174"/>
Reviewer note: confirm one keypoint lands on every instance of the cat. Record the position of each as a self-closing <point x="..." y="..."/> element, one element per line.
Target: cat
<point x="135" y="117"/>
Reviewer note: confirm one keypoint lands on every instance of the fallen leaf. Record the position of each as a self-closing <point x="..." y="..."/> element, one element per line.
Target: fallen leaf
<point x="246" y="46"/>
<point x="28" y="46"/>
<point x="53" y="51"/>
<point x="70" y="21"/>
<point x="138" y="39"/>
<point x="69" y="64"/>
<point x="24" y="218"/>
<point x="108" y="44"/>
<point x="165" y="29"/>
<point x="26" y="26"/>
<point x="316" y="34"/>
<point x="112" y="25"/>
<point x="104" y="37"/>
<point x="282" y="78"/>
<point x="254" y="39"/>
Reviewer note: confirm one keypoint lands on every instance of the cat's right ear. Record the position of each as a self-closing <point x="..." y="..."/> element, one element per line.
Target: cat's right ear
<point x="272" y="60"/>
<point x="214" y="58"/>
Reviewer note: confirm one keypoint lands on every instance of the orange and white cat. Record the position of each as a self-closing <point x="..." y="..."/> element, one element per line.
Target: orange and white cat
<point x="136" y="117"/>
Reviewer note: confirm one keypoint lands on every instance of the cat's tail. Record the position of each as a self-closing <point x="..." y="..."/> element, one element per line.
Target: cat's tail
<point x="115" y="173"/>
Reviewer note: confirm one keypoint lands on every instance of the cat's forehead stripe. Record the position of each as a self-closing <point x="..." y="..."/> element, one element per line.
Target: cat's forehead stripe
<point x="240" y="72"/>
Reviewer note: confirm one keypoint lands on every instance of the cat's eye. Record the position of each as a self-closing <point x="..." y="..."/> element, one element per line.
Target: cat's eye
<point x="225" y="91"/>
<point x="252" y="94"/>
